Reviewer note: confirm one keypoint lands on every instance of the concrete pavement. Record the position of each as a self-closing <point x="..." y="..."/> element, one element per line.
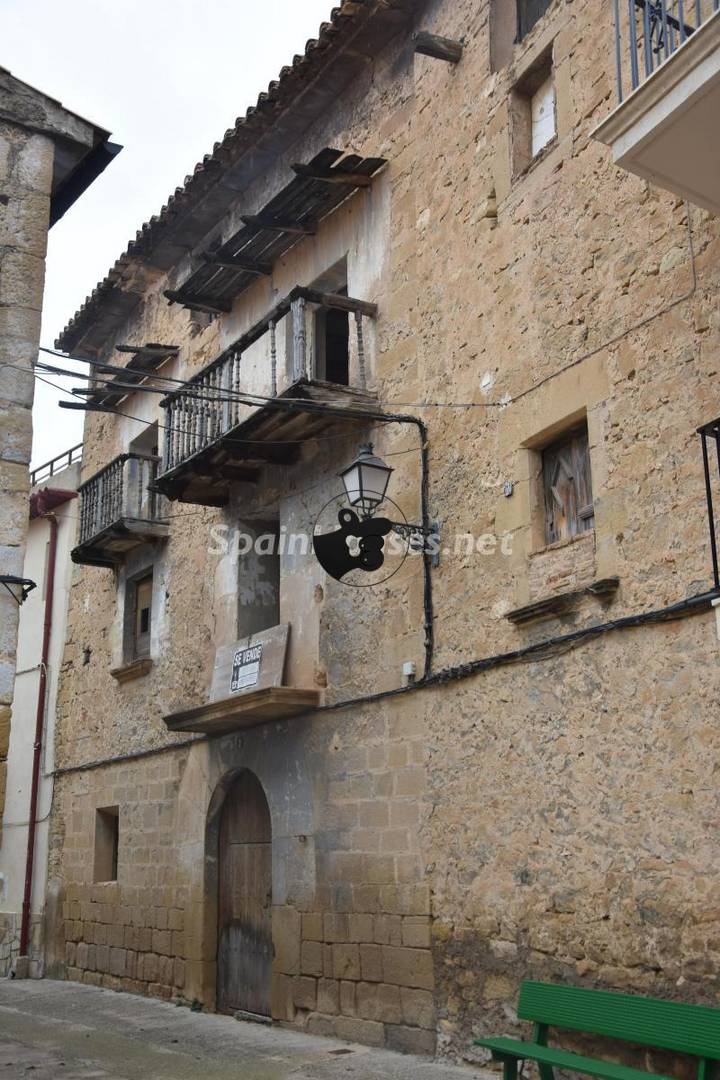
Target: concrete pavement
<point x="51" y="1030"/>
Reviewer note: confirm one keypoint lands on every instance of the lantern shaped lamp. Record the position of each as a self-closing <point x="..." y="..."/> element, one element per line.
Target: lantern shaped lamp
<point x="366" y="480"/>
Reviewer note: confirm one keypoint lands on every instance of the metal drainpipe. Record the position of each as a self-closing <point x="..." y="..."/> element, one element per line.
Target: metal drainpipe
<point x="39" y="726"/>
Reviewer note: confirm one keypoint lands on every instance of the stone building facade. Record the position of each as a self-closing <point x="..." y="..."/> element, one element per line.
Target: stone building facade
<point x="540" y="803"/>
<point x="48" y="157"/>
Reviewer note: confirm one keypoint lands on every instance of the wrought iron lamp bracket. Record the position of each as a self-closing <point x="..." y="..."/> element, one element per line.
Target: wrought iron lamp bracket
<point x="416" y="535"/>
<point x="25" y="585"/>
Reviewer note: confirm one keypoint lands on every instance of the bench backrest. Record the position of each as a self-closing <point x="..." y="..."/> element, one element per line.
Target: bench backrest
<point x="668" y="1025"/>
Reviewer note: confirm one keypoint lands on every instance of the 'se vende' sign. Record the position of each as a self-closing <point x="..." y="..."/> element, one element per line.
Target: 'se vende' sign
<point x="246" y="667"/>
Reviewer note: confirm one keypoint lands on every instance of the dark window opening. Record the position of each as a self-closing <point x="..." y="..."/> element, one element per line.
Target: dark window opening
<point x="107" y="838"/>
<point x="258" y="577"/>
<point x="528" y="13"/>
<point x="337" y="347"/>
<point x="567" y="485"/>
<point x="332" y="333"/>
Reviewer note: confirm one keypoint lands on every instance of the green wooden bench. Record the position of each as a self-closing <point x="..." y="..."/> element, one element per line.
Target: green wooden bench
<point x="663" y="1025"/>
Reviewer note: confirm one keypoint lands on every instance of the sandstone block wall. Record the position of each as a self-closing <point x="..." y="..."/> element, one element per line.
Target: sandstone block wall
<point x="557" y="815"/>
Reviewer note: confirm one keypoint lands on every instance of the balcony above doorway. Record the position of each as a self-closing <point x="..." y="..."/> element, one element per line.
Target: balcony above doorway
<point x="248" y="688"/>
<point x="118" y="511"/>
<point x="668" y="74"/>
<point x="231" y="418"/>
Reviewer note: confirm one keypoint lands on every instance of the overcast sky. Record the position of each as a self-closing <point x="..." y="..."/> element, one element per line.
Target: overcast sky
<point x="167" y="78"/>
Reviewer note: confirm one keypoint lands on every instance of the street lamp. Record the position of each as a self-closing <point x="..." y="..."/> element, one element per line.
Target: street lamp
<point x="366" y="480"/>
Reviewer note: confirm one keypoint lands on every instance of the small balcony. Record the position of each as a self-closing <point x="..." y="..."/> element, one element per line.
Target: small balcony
<point x="667" y="55"/>
<point x="299" y="373"/>
<point x="119" y="511"/>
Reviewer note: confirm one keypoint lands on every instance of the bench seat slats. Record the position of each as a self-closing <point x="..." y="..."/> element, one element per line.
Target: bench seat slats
<point x="667" y="1025"/>
<point x="565" y="1059"/>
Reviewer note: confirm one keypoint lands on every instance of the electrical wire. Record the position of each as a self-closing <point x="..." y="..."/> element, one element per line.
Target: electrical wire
<point x="537" y="653"/>
<point x="236" y="439"/>
<point x="256" y="509"/>
<point x="503" y="402"/>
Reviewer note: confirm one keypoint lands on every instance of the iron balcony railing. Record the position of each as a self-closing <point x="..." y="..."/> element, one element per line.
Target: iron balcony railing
<point x="120" y="492"/>
<point x="647" y="32"/>
<point x="56" y="464"/>
<point x="216" y="400"/>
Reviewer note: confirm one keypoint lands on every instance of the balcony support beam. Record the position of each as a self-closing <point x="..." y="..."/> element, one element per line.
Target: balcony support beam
<point x="332" y="176"/>
<point x="439" y="48"/>
<point x="265" y="221"/>
<point x="199" y="303"/>
<point x="237" y="262"/>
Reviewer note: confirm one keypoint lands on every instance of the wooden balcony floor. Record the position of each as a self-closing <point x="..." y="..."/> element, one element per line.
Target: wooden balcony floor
<point x="245" y="710"/>
<point x="110" y="546"/>
<point x="273" y="435"/>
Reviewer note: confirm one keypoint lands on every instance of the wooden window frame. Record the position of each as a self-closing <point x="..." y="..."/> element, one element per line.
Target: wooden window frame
<point x="137" y="642"/>
<point x="521" y="98"/>
<point x="571" y="450"/>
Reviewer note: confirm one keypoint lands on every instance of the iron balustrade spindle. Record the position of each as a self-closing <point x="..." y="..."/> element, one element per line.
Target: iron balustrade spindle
<point x="653" y="31"/>
<point x="118" y="491"/>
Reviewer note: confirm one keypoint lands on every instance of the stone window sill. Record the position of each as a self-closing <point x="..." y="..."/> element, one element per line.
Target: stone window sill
<point x="558" y="545"/>
<point x="134" y="670"/>
<point x="562" y="602"/>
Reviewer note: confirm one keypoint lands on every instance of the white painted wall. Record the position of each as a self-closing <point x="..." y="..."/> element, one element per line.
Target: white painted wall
<point x="13" y="848"/>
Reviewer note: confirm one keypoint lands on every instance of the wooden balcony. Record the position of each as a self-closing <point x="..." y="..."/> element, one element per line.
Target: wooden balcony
<point x="221" y="429"/>
<point x="119" y="511"/>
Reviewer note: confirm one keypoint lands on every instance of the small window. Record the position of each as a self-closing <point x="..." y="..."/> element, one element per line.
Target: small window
<point x="532" y="108"/>
<point x="107" y="835"/>
<point x="510" y="22"/>
<point x="142" y="616"/>
<point x="528" y="13"/>
<point x="258" y="578"/>
<point x="567" y="485"/>
<point x="542" y="116"/>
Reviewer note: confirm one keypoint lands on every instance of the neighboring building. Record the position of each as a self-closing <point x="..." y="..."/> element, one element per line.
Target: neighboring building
<point x="40" y="647"/>
<point x="48" y="157"/>
<point x="432" y="253"/>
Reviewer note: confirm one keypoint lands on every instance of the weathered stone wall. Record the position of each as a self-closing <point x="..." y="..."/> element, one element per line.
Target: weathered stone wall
<point x="553" y="818"/>
<point x="26" y="165"/>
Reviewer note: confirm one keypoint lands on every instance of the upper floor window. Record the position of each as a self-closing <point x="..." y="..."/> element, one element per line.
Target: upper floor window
<point x="258" y="577"/>
<point x="567" y="486"/>
<point x="528" y="13"/>
<point x="510" y="22"/>
<point x="141" y="606"/>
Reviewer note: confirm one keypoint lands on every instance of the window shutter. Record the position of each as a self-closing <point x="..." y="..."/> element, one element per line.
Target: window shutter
<point x="143" y="611"/>
<point x="567" y="488"/>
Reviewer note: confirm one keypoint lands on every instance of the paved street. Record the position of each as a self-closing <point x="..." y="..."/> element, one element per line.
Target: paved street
<point x="52" y="1030"/>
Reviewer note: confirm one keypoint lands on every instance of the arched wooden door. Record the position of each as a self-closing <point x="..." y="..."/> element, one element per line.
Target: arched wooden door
<point x="244" y="961"/>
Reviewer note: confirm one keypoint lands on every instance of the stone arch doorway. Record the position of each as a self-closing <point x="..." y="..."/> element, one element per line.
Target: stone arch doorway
<point x="244" y="928"/>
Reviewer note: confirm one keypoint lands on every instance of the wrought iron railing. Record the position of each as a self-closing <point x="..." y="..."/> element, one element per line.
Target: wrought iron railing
<point x="214" y="401"/>
<point x="118" y="492"/>
<point x="56" y="464"/>
<point x="647" y="32"/>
